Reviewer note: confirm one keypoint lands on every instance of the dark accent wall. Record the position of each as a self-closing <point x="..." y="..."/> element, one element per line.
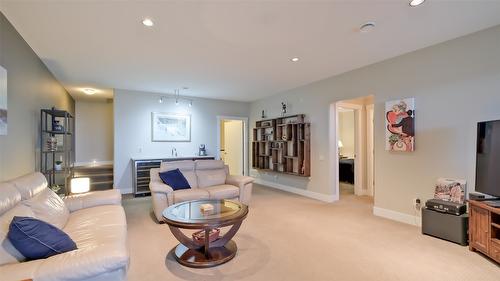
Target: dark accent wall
<point x="30" y="87"/>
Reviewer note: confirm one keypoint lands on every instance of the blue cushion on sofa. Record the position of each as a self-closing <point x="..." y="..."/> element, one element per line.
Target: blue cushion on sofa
<point x="175" y="179"/>
<point x="36" y="239"/>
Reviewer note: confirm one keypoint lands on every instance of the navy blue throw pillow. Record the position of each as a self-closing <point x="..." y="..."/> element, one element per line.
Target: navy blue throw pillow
<point x="36" y="239"/>
<point x="175" y="179"/>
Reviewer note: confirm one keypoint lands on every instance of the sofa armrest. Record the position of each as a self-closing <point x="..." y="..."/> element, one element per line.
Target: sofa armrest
<point x="156" y="184"/>
<point x="245" y="184"/>
<point x="91" y="199"/>
<point x="159" y="187"/>
<point x="239" y="181"/>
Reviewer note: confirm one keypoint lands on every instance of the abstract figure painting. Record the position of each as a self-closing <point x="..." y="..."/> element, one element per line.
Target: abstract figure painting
<point x="171" y="127"/>
<point x="3" y="101"/>
<point x="400" y="125"/>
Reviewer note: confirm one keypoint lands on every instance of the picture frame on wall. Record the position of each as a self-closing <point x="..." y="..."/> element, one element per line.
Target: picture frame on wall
<point x="170" y="127"/>
<point x="3" y="101"/>
<point x="400" y="125"/>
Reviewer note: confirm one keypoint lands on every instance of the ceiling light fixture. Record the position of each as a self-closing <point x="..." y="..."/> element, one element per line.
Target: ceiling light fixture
<point x="190" y="103"/>
<point x="295" y="59"/>
<point x="89" y="91"/>
<point x="415" y="3"/>
<point x="147" y="22"/>
<point x="160" y="100"/>
<point x="367" y="27"/>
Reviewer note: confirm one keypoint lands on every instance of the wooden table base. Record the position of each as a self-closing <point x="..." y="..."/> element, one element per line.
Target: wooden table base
<point x="198" y="258"/>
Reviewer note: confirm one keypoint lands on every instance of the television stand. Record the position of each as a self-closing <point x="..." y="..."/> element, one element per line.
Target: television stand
<point x="484" y="229"/>
<point x="495" y="203"/>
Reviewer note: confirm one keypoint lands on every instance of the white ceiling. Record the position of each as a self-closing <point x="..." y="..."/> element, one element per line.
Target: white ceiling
<point x="235" y="50"/>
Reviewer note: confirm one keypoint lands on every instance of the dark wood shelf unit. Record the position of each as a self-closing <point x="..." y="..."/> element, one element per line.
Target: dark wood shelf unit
<point x="282" y="145"/>
<point x="484" y="229"/>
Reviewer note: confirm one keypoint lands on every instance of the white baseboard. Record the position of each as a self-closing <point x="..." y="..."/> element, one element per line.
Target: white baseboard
<point x="97" y="163"/>
<point x="303" y="192"/>
<point x="397" y="216"/>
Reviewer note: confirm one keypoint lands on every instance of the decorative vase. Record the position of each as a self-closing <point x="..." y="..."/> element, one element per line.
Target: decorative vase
<point x="58" y="167"/>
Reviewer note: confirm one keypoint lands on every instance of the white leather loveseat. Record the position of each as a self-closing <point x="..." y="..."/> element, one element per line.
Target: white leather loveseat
<point x="94" y="220"/>
<point x="209" y="179"/>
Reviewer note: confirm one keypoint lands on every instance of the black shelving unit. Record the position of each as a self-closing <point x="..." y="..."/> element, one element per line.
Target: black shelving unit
<point x="56" y="125"/>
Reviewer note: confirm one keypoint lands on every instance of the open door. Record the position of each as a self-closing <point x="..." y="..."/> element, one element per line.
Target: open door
<point x="232" y="143"/>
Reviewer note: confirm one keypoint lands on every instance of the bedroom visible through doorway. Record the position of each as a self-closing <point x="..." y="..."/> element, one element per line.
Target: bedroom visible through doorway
<point x="354" y="142"/>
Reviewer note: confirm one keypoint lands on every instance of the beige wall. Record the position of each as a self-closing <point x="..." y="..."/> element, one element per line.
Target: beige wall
<point x="347" y="133"/>
<point x="455" y="85"/>
<point x="94" y="132"/>
<point x="30" y="87"/>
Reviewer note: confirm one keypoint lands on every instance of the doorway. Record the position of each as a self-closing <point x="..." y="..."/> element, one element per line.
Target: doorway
<point x="353" y="141"/>
<point x="232" y="143"/>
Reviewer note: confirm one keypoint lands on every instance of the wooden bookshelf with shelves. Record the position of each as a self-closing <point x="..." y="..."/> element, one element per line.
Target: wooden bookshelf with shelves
<point x="282" y="145"/>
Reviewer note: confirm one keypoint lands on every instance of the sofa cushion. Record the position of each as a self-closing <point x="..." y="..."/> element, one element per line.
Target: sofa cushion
<point x="224" y="191"/>
<point x="208" y="178"/>
<point x="185" y="166"/>
<point x="36" y="239"/>
<point x="48" y="207"/>
<point x="189" y="194"/>
<point x="209" y="164"/>
<point x="30" y="185"/>
<point x="175" y="179"/>
<point x="9" y="197"/>
<point x="97" y="226"/>
<point x="8" y="253"/>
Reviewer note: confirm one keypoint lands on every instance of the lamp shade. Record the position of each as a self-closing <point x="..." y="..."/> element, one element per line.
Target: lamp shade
<point x="340" y="144"/>
<point x="80" y="185"/>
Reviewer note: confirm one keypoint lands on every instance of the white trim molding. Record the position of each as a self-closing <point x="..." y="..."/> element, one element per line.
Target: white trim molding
<point x="306" y="193"/>
<point x="397" y="216"/>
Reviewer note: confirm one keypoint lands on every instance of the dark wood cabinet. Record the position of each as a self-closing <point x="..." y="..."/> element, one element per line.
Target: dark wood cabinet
<point x="484" y="229"/>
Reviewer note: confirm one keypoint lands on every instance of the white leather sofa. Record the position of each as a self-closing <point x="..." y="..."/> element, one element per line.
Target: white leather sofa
<point x="94" y="220"/>
<point x="209" y="179"/>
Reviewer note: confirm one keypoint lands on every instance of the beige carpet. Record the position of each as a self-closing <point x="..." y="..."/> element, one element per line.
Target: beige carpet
<point x="288" y="237"/>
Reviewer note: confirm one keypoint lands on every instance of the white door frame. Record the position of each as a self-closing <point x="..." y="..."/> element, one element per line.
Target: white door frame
<point x="370" y="150"/>
<point x="245" y="139"/>
<point x="359" y="159"/>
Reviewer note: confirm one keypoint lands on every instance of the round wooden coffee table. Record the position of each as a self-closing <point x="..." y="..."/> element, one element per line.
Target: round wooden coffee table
<point x="189" y="215"/>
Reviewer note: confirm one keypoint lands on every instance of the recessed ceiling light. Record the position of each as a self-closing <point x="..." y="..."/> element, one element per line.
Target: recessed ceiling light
<point x="147" y="22"/>
<point x="89" y="91"/>
<point x="414" y="3"/>
<point x="295" y="59"/>
<point x="367" y="27"/>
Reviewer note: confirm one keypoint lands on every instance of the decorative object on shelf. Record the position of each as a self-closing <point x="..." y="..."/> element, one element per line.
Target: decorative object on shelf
<point x="51" y="143"/>
<point x="263" y="115"/>
<point x="58" y="166"/>
<point x="3" y="101"/>
<point x="282" y="145"/>
<point x="55" y="187"/>
<point x="452" y="190"/>
<point x="80" y="185"/>
<point x="170" y="127"/>
<point x="283" y="109"/>
<point x="202" y="150"/>
<point x="340" y="145"/>
<point x="199" y="236"/>
<point x="57" y="127"/>
<point x="400" y="125"/>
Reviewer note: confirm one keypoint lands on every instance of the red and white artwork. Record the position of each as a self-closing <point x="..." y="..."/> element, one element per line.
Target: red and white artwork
<point x="400" y="125"/>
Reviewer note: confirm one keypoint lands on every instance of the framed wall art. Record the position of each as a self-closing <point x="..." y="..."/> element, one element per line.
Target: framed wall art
<point x="170" y="127"/>
<point x="3" y="101"/>
<point x="400" y="125"/>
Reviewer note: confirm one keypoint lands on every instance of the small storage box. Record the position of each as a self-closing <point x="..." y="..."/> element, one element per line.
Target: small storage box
<point x="446" y="226"/>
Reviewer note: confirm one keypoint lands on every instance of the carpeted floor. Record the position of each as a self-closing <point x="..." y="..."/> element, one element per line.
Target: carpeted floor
<point x="288" y="237"/>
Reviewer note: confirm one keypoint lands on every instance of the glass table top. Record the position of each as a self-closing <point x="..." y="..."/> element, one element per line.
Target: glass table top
<point x="203" y="210"/>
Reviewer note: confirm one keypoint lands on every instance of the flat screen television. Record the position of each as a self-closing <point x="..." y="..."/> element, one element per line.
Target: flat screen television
<point x="488" y="158"/>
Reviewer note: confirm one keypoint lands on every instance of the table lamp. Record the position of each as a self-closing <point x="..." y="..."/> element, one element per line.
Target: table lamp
<point x="80" y="185"/>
